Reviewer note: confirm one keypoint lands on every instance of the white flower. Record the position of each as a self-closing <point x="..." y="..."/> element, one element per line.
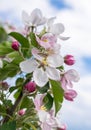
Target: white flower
<point x="34" y="19"/>
<point x="43" y="68"/>
<point x="56" y="29"/>
<point x="1" y="63"/>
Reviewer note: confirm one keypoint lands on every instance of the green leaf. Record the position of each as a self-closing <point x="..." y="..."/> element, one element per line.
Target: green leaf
<point x="17" y="93"/>
<point x="23" y="41"/>
<point x="44" y="89"/>
<point x="7" y="103"/>
<point x="8" y="70"/>
<point x="5" y="48"/>
<point x="8" y="126"/>
<point x="19" y="82"/>
<point x="33" y="40"/>
<point x="20" y="38"/>
<point x="14" y="56"/>
<point x="48" y="100"/>
<point x="26" y="103"/>
<point x="58" y="94"/>
<point x="3" y="34"/>
<point x="12" y="89"/>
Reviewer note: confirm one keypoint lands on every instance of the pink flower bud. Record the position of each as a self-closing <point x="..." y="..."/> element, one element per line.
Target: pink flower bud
<point x="30" y="86"/>
<point x="70" y="94"/>
<point x="21" y="112"/>
<point x="69" y="60"/>
<point x="4" y="85"/>
<point x="63" y="127"/>
<point x="15" y="45"/>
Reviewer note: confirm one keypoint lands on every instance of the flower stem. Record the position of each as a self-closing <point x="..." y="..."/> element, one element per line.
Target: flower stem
<point x="13" y="108"/>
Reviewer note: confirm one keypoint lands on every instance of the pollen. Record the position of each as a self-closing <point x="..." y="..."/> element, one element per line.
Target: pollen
<point x="45" y="40"/>
<point x="43" y="108"/>
<point x="44" y="61"/>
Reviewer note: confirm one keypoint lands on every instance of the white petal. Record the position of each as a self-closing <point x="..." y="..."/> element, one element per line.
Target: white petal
<point x="36" y="55"/>
<point x="57" y="28"/>
<point x="55" y="60"/>
<point x="64" y="38"/>
<point x="42" y="115"/>
<point x="50" y="21"/>
<point x="28" y="66"/>
<point x="72" y="75"/>
<point x="36" y="16"/>
<point x="1" y="63"/>
<point x="25" y="17"/>
<point x="57" y="48"/>
<point x="40" y="77"/>
<point x="53" y="73"/>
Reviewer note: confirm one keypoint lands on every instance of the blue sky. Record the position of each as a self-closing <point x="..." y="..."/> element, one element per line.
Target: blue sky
<point x="59" y="4"/>
<point x="76" y="17"/>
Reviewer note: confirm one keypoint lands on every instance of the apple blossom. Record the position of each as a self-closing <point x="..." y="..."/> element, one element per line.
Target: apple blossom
<point x="69" y="77"/>
<point x="34" y="19"/>
<point x="56" y="29"/>
<point x="48" y="121"/>
<point x="43" y="68"/>
<point x="47" y="40"/>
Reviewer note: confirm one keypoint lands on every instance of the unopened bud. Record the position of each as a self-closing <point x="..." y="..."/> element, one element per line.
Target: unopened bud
<point x="69" y="60"/>
<point x="70" y="95"/>
<point x="4" y="85"/>
<point x="15" y="45"/>
<point x="63" y="127"/>
<point x="30" y="86"/>
<point x="21" y="112"/>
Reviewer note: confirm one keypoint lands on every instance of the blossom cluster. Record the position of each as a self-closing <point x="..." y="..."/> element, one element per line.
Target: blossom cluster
<point x="35" y="56"/>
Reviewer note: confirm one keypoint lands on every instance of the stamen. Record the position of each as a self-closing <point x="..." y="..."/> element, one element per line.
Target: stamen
<point x="44" y="61"/>
<point x="43" y="108"/>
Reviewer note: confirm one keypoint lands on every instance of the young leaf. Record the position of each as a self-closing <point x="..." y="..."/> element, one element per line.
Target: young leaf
<point x="33" y="40"/>
<point x="48" y="100"/>
<point x="23" y="41"/>
<point x="57" y="93"/>
<point x="5" y="48"/>
<point x="20" y="38"/>
<point x="3" y="34"/>
<point x="8" y="126"/>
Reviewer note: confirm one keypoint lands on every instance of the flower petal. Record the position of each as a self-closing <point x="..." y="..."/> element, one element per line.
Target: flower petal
<point x="55" y="60"/>
<point x="42" y="115"/>
<point x="36" y="17"/>
<point x="57" y="28"/>
<point x="25" y="18"/>
<point x="28" y="66"/>
<point x="36" y="55"/>
<point x="50" y="21"/>
<point x="70" y="94"/>
<point x="72" y="75"/>
<point x="40" y="77"/>
<point x="64" y="38"/>
<point x="53" y="73"/>
<point x="38" y="101"/>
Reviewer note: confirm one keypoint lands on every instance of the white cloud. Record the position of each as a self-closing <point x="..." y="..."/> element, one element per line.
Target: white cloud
<point x="16" y="6"/>
<point x="78" y="23"/>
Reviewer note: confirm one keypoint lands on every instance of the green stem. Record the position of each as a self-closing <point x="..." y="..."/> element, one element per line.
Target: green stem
<point x="13" y="108"/>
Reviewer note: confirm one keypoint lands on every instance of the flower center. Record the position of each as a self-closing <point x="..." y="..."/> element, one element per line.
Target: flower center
<point x="45" y="40"/>
<point x="43" y="108"/>
<point x="44" y="62"/>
